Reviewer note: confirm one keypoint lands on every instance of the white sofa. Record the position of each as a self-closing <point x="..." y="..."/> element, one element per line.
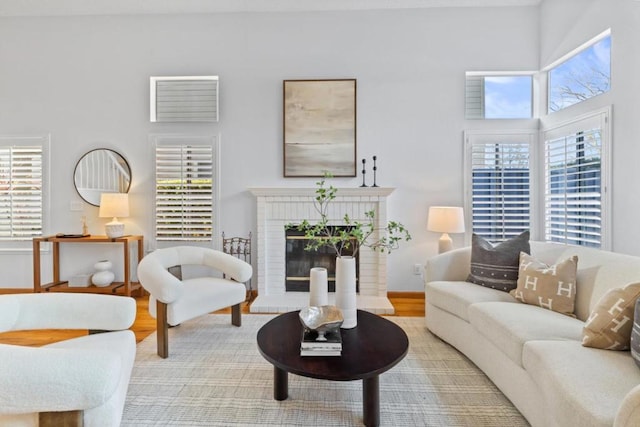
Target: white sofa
<point x="89" y="374"/>
<point x="534" y="356"/>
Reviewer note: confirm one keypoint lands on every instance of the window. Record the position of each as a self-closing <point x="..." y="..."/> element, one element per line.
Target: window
<point x="576" y="172"/>
<point x="185" y="188"/>
<point x="497" y="96"/>
<point x="582" y="76"/>
<point x="498" y="183"/>
<point x="22" y="194"/>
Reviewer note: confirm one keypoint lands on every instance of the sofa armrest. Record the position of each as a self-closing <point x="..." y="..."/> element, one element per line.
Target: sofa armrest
<point x="61" y="310"/>
<point x="453" y="265"/>
<point x="629" y="411"/>
<point x="55" y="379"/>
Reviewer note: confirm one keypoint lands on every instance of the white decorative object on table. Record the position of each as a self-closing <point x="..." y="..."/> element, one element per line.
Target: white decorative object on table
<point x="318" y="287"/>
<point x="104" y="275"/>
<point x="346" y="290"/>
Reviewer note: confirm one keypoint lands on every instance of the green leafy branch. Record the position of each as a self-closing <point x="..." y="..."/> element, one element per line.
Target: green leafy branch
<point x="354" y="234"/>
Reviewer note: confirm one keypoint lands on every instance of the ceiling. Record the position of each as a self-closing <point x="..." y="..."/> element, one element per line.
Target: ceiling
<point x="132" y="7"/>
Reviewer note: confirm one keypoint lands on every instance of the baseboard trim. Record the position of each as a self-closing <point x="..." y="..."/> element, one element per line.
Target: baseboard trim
<point x="16" y="291"/>
<point x="251" y="295"/>
<point x="406" y="294"/>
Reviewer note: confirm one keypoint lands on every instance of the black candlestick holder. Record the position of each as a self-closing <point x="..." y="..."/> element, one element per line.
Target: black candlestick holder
<point x="375" y="168"/>
<point x="364" y="171"/>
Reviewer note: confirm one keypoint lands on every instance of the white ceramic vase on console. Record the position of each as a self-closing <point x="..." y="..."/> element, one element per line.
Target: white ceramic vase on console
<point x="318" y="287"/>
<point x="346" y="290"/>
<point x="103" y="276"/>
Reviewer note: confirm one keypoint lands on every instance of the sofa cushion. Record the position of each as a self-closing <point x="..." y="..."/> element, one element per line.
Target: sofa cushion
<point x="548" y="286"/>
<point x="496" y="267"/>
<point x="582" y="386"/>
<point x="610" y="323"/>
<point x="509" y="326"/>
<point x="456" y="297"/>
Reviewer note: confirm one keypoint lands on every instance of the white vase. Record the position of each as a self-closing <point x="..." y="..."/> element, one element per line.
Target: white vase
<point x="104" y="276"/>
<point x="346" y="290"/>
<point x="318" y="287"/>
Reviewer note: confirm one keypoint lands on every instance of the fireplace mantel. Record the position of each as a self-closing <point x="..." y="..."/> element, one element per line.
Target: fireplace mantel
<point x="277" y="207"/>
<point x="311" y="192"/>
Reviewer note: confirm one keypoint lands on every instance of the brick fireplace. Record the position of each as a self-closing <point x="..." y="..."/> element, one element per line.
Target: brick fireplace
<point x="277" y="207"/>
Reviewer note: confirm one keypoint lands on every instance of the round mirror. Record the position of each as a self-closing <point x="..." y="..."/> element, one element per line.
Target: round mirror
<point x="101" y="171"/>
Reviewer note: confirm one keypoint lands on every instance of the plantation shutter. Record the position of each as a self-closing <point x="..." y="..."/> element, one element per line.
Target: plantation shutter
<point x="184" y="99"/>
<point x="184" y="198"/>
<point x="574" y="183"/>
<point x="500" y="184"/>
<point x="21" y="192"/>
<point x="474" y="97"/>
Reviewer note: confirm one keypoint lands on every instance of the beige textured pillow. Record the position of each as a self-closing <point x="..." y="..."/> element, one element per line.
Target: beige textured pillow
<point x="548" y="286"/>
<point x="610" y="323"/>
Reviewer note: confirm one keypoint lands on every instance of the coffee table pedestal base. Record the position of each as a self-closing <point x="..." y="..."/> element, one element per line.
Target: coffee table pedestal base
<point x="371" y="401"/>
<point x="370" y="395"/>
<point x="280" y="384"/>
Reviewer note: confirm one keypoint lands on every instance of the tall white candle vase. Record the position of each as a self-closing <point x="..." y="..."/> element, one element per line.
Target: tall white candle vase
<point x="318" y="287"/>
<point x="346" y="290"/>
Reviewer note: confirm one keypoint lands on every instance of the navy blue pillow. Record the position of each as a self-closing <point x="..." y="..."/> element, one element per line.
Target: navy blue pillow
<point x="496" y="267"/>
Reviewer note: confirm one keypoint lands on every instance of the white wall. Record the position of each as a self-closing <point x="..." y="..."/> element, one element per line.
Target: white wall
<point x="84" y="80"/>
<point x="565" y="25"/>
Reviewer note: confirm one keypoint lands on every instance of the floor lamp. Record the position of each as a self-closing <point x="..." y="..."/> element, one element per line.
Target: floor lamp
<point x="445" y="220"/>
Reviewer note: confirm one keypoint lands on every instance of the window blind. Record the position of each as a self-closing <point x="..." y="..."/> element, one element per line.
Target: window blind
<point x="573" y="188"/>
<point x="184" y="198"/>
<point x="501" y="190"/>
<point x="184" y="99"/>
<point x="21" y="192"/>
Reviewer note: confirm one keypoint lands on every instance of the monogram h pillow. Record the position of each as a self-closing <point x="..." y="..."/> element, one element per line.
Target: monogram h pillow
<point x="496" y="267"/>
<point x="548" y="286"/>
<point x="610" y="323"/>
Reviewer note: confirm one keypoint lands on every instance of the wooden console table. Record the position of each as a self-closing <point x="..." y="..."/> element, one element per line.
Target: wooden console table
<point x="127" y="287"/>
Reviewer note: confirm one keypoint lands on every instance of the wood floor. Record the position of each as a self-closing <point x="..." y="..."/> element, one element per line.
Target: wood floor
<point x="405" y="303"/>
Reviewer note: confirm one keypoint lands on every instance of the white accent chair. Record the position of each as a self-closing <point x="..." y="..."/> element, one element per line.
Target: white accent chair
<point x="174" y="300"/>
<point x="80" y="381"/>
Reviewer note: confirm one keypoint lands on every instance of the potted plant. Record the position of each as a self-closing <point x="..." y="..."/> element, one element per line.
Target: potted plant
<point x="352" y="235"/>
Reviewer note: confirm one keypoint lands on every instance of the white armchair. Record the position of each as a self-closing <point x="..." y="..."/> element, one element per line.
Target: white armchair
<point x="174" y="300"/>
<point x="80" y="381"/>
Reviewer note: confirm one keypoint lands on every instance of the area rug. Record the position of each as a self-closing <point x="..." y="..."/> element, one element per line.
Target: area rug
<point x="215" y="376"/>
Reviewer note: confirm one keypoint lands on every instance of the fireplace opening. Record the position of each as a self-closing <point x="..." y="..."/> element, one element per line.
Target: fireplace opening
<point x="299" y="262"/>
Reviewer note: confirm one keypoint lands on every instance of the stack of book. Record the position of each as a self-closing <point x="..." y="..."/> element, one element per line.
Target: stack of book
<point x="330" y="346"/>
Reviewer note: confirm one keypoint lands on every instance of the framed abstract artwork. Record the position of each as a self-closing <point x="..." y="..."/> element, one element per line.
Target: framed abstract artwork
<point x="319" y="122"/>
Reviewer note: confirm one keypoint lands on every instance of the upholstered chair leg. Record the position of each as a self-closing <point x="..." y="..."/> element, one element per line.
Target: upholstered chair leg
<point x="61" y="419"/>
<point x="163" y="329"/>
<point x="236" y="315"/>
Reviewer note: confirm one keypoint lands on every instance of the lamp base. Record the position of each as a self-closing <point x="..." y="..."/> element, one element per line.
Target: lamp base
<point x="445" y="243"/>
<point x="114" y="229"/>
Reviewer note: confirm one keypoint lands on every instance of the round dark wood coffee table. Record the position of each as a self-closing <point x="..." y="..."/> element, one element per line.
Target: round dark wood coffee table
<point x="371" y="348"/>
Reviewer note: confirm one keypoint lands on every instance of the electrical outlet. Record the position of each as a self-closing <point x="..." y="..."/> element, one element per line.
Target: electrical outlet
<point x="417" y="269"/>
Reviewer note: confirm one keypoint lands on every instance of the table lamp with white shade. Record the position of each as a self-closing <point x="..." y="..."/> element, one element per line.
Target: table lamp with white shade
<point x="114" y="205"/>
<point x="445" y="220"/>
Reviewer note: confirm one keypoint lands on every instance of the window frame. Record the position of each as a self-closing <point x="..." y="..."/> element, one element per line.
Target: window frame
<point x="190" y="139"/>
<point x="571" y="126"/>
<point x="21" y="245"/>
<point x="567" y="57"/>
<point x="490" y="137"/>
<point x="471" y="76"/>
